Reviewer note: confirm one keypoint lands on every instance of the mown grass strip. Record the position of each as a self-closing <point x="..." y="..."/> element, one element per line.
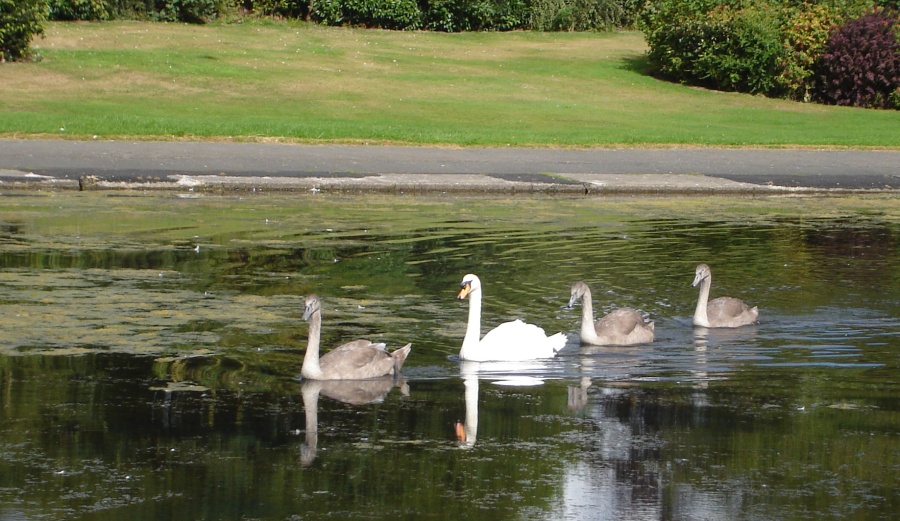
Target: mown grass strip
<point x="306" y="83"/>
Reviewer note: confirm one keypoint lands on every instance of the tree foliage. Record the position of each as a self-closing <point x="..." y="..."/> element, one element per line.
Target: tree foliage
<point x="20" y="22"/>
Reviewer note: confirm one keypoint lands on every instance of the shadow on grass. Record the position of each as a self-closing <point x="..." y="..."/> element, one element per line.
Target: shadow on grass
<point x="640" y="65"/>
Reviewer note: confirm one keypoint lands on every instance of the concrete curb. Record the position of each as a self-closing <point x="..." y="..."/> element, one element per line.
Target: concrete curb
<point x="573" y="184"/>
<point x="233" y="167"/>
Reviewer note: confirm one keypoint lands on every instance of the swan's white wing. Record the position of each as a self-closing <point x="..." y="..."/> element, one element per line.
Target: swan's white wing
<point x="517" y="340"/>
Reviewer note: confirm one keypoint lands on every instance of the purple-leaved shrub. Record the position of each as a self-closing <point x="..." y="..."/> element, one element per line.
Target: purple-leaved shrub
<point x="861" y="63"/>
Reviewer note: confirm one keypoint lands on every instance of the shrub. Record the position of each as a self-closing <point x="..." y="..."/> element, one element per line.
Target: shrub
<point x="456" y="15"/>
<point x="717" y="45"/>
<point x="478" y="15"/>
<point x="804" y="35"/>
<point x="328" y="12"/>
<point x="79" y="10"/>
<point x="190" y="11"/>
<point x="20" y="22"/>
<point x="510" y="14"/>
<point x="741" y="50"/>
<point x="766" y="47"/>
<point x="286" y="8"/>
<point x="133" y="9"/>
<point x="386" y="14"/>
<point x="861" y="63"/>
<point x="674" y="30"/>
<point x="576" y="15"/>
<point x="631" y="11"/>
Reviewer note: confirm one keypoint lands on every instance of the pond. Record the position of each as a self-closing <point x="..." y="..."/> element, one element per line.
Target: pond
<point x="150" y="351"/>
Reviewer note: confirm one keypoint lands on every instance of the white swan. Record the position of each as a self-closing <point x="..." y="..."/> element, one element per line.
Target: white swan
<point x="723" y="311"/>
<point x="356" y="360"/>
<point x="621" y="327"/>
<point x="510" y="341"/>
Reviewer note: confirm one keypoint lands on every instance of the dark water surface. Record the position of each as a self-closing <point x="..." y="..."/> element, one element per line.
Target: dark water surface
<point x="150" y="348"/>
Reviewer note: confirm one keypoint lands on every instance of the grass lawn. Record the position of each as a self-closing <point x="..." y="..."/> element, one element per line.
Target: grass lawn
<point x="299" y="82"/>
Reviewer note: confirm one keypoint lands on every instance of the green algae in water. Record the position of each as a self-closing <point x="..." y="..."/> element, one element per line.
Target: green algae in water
<point x="150" y="346"/>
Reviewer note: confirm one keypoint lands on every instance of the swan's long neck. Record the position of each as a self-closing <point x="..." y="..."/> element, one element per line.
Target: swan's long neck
<point x="700" y="316"/>
<point x="473" y="329"/>
<point x="311" y="368"/>
<point x="588" y="332"/>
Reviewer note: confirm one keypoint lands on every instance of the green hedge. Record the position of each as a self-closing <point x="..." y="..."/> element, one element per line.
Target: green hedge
<point x="79" y="10"/>
<point x="436" y="15"/>
<point x="474" y="15"/>
<point x="576" y="15"/>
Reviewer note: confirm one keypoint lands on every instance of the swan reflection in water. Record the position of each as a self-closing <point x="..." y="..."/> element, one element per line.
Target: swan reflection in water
<point x="352" y="392"/>
<point x="714" y="339"/>
<point x="513" y="374"/>
<point x="577" y="396"/>
<point x="467" y="432"/>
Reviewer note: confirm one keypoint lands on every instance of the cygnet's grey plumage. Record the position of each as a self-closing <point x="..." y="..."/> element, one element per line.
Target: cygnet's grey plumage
<point x="723" y="311"/>
<point x="356" y="360"/>
<point x="621" y="327"/>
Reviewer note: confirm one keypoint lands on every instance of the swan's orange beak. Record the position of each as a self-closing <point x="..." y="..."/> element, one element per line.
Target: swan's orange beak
<point x="460" y="431"/>
<point x="466" y="289"/>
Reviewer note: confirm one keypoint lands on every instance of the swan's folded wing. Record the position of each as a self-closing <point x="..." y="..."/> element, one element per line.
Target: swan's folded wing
<point x="621" y="321"/>
<point x="730" y="311"/>
<point x="359" y="359"/>
<point x="514" y="332"/>
<point x="355" y="345"/>
<point x="518" y="340"/>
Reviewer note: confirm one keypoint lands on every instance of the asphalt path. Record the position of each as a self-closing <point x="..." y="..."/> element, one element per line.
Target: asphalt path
<point x="192" y="164"/>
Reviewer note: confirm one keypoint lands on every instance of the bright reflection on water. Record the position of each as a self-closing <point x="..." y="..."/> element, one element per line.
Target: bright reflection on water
<point x="150" y="348"/>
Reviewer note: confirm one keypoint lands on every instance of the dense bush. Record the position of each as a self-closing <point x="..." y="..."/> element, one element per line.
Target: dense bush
<point x="79" y="10"/>
<point x="576" y="15"/>
<point x="477" y="15"/>
<point x="714" y="44"/>
<point x="386" y="14"/>
<point x="473" y="15"/>
<point x="861" y="63"/>
<point x="285" y="8"/>
<point x="509" y="14"/>
<point x="803" y="39"/>
<point x="631" y="11"/>
<point x="742" y="51"/>
<point x="777" y="49"/>
<point x="326" y="12"/>
<point x="438" y="15"/>
<point x="456" y="15"/>
<point x="190" y="11"/>
<point x="20" y="22"/>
